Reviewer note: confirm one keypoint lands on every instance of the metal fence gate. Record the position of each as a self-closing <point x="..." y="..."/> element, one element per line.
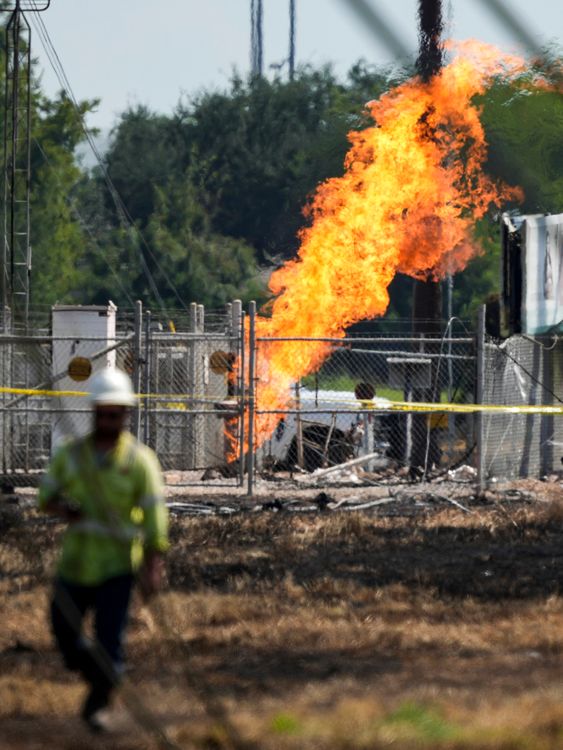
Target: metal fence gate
<point x="342" y="409"/>
<point x="190" y="391"/>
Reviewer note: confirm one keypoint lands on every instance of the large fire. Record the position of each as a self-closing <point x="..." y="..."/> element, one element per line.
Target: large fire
<point x="412" y="190"/>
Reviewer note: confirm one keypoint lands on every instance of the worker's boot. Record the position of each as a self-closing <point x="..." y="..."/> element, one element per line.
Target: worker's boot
<point x="97" y="699"/>
<point x="99" y="674"/>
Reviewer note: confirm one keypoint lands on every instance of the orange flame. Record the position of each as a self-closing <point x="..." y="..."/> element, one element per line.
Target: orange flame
<point x="412" y="189"/>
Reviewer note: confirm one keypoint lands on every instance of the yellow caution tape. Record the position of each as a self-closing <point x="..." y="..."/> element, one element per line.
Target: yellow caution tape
<point x="471" y="408"/>
<point x="406" y="406"/>
<point x="40" y="392"/>
<point x="432" y="407"/>
<point x="80" y="394"/>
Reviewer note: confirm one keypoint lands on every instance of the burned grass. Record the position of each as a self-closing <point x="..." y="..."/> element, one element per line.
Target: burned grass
<point x="343" y="630"/>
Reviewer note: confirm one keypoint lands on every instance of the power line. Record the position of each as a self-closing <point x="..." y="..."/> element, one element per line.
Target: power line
<point x="122" y="212"/>
<point x="65" y="84"/>
<point x="84" y="225"/>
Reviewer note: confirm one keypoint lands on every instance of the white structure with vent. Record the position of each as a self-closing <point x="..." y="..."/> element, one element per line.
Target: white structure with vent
<point x="79" y="331"/>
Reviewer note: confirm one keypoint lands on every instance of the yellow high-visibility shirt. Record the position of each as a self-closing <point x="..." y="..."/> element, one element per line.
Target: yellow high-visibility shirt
<point x="121" y="500"/>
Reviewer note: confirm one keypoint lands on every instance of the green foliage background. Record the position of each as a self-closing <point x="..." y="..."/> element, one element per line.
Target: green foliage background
<point x="212" y="194"/>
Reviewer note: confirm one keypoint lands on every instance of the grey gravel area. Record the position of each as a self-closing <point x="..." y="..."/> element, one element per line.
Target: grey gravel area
<point x="187" y="493"/>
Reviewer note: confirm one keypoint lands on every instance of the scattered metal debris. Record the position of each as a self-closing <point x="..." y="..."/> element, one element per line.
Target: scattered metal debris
<point x="320" y="473"/>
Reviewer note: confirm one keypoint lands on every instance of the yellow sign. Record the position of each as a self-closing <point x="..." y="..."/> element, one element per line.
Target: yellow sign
<point x="438" y="421"/>
<point x="79" y="369"/>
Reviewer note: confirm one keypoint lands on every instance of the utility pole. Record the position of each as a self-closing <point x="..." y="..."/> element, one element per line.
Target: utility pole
<point x="16" y="252"/>
<point x="427" y="296"/>
<point x="292" y="30"/>
<point x="256" y="37"/>
<point x="430" y="46"/>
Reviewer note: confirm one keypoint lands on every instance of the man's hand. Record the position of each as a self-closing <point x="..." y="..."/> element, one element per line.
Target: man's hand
<point x="151" y="574"/>
<point x="65" y="509"/>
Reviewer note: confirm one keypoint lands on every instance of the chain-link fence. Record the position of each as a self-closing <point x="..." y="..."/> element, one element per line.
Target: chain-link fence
<point x="341" y="411"/>
<point x="522" y="371"/>
<point x="34" y="418"/>
<point x="191" y="399"/>
<point x="198" y="416"/>
<point x="185" y="375"/>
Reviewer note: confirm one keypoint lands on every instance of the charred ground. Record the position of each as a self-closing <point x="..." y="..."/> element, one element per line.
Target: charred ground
<point x="432" y="629"/>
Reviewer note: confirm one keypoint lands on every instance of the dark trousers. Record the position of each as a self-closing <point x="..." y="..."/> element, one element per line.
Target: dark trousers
<point x="101" y="663"/>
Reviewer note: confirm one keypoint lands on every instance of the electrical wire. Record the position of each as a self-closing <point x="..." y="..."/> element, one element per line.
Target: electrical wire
<point x="126" y="222"/>
<point x="136" y="707"/>
<point x="539" y="343"/>
<point x="84" y="225"/>
<point x="528" y="373"/>
<point x="122" y="211"/>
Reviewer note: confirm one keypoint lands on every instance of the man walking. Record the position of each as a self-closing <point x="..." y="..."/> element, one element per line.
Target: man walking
<point x="108" y="487"/>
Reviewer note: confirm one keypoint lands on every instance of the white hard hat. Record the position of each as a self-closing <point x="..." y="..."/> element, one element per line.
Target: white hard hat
<point x="112" y="387"/>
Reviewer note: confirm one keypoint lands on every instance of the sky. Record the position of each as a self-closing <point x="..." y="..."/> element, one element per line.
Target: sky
<point x="152" y="52"/>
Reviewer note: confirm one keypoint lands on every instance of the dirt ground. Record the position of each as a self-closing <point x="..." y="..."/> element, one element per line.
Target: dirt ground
<point x="413" y="624"/>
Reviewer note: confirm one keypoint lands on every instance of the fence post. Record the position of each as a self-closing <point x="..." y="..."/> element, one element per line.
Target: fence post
<point x="479" y="397"/>
<point x="237" y="330"/>
<point x="251" y="393"/>
<point x="192" y="377"/>
<point x="235" y="311"/>
<point x="299" y="426"/>
<point x="137" y="360"/>
<point x="147" y="363"/>
<point x="242" y="400"/>
<point x="6" y="381"/>
<point x="200" y="388"/>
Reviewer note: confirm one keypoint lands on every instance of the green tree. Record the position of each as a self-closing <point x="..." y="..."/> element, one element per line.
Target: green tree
<point x="259" y="150"/>
<point x="57" y="235"/>
<point x="524" y="131"/>
<point x="211" y="268"/>
<point x="219" y="185"/>
<point x="146" y="153"/>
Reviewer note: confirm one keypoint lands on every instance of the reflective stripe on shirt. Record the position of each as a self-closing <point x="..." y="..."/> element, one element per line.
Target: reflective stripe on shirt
<point x="116" y="498"/>
<point x="149" y="501"/>
<point x="91" y="526"/>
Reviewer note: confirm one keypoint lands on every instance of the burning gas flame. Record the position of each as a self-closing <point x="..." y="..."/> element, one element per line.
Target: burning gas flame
<point x="412" y="190"/>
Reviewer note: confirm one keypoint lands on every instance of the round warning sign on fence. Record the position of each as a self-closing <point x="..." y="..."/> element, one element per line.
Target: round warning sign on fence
<point x="364" y="391"/>
<point x="79" y="369"/>
<point x="221" y="362"/>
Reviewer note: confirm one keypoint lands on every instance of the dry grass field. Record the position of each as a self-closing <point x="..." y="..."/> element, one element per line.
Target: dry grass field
<point x="341" y="631"/>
